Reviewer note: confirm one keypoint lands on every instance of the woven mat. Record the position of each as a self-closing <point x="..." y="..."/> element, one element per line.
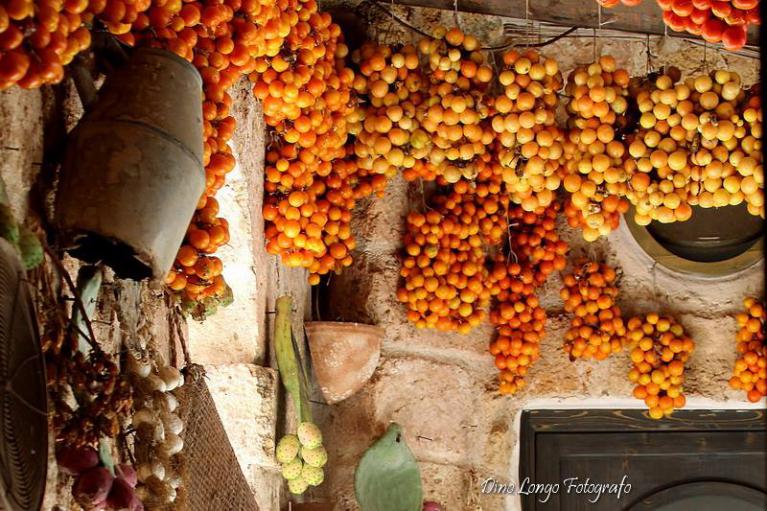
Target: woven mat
<point x="213" y="480"/>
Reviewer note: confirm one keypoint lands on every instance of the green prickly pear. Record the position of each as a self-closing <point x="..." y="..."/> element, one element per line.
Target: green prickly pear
<point x="297" y="486"/>
<point x="312" y="475"/>
<point x="309" y="435"/>
<point x="287" y="448"/>
<point x="316" y="457"/>
<point x="292" y="469"/>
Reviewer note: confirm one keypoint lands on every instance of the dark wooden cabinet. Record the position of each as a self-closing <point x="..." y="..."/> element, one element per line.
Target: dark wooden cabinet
<point x="698" y="460"/>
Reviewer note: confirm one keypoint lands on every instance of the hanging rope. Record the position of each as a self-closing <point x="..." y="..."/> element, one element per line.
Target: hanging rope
<point x="647" y="48"/>
<point x="455" y="14"/>
<point x="599" y="27"/>
<point x="527" y="23"/>
<point x="537" y="45"/>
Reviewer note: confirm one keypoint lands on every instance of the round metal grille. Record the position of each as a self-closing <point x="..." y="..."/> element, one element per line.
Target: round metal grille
<point x="23" y="400"/>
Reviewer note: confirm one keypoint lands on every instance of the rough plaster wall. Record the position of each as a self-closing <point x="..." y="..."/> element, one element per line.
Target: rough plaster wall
<point x="21" y="144"/>
<point x="216" y="341"/>
<point x="441" y="387"/>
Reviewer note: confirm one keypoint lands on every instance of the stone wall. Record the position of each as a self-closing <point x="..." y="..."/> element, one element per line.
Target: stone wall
<point x="441" y="387"/>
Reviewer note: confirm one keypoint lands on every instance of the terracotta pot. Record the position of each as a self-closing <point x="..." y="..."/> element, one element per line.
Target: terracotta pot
<point x="344" y="356"/>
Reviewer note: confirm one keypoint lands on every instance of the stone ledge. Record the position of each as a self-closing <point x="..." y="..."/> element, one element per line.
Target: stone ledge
<point x="246" y="400"/>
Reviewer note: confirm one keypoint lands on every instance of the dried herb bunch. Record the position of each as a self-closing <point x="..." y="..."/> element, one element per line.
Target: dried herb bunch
<point x="90" y="399"/>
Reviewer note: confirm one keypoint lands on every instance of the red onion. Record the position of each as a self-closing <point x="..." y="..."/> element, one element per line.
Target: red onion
<point x="74" y="460"/>
<point x="92" y="487"/>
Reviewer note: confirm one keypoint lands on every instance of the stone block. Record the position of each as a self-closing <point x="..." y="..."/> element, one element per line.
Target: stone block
<point x="246" y="400"/>
<point x="379" y="223"/>
<point x="710" y="365"/>
<point x="435" y="403"/>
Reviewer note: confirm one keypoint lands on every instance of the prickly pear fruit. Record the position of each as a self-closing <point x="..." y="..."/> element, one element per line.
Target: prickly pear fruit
<point x="313" y="475"/>
<point x="297" y="486"/>
<point x="287" y="448"/>
<point x="316" y="457"/>
<point x="292" y="469"/>
<point x="309" y="435"/>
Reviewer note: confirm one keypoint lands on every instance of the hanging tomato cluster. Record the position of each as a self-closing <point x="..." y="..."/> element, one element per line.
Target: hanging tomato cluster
<point x="530" y="149"/>
<point x="312" y="179"/>
<point x="597" y="329"/>
<point x="529" y="142"/>
<point x="456" y="111"/>
<point x="714" y="20"/>
<point x="695" y="145"/>
<point x="534" y="251"/>
<point x="750" y="373"/>
<point x="445" y="280"/>
<point x="37" y="39"/>
<point x="390" y="139"/>
<point x="520" y="327"/>
<point x="659" y="349"/>
<point x="534" y="241"/>
<point x="222" y="47"/>
<point x="597" y="171"/>
<point x="751" y="165"/>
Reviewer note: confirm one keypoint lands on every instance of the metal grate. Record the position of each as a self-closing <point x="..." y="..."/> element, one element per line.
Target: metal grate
<point x="23" y="401"/>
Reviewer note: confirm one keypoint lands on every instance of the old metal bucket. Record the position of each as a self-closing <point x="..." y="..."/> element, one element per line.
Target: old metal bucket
<point x="132" y="172"/>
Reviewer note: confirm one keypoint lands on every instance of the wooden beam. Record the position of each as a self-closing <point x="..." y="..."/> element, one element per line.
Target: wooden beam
<point x="646" y="18"/>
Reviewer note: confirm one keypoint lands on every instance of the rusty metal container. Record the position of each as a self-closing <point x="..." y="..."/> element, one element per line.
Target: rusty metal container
<point x="132" y="172"/>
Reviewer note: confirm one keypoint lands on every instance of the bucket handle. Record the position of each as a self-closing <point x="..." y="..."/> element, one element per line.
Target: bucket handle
<point x="86" y="88"/>
<point x="109" y="52"/>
